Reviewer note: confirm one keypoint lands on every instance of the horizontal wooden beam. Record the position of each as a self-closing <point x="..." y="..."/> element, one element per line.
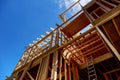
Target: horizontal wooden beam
<point x="114" y="70"/>
<point x="99" y="59"/>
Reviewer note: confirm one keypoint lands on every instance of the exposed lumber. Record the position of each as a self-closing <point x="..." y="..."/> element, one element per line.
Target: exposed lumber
<point x="65" y="70"/>
<point x="109" y="44"/>
<point x="60" y="67"/>
<point x="44" y="69"/>
<point x="76" y="25"/>
<point x="108" y="16"/>
<point x="69" y="70"/>
<point x="54" y="66"/>
<point x="98" y="59"/>
<point x="25" y="70"/>
<point x="39" y="69"/>
<point x="37" y="59"/>
<point x="101" y="5"/>
<point x="114" y="70"/>
<point x="30" y="76"/>
<point x="109" y="3"/>
<point x="92" y="42"/>
<point x="93" y="51"/>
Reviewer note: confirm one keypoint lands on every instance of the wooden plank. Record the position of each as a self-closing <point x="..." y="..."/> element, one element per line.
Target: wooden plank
<point x="69" y="70"/>
<point x="25" y="70"/>
<point x="39" y="69"/>
<point x="30" y="76"/>
<point x="60" y="69"/>
<point x="90" y="44"/>
<point x="80" y="44"/>
<point x="106" y="17"/>
<point x="76" y="25"/>
<point x="92" y="49"/>
<point x="109" y="3"/>
<point x="54" y="66"/>
<point x="114" y="70"/>
<point x="109" y="44"/>
<point x="101" y="5"/>
<point x="50" y="51"/>
<point x="98" y="59"/>
<point x="103" y="41"/>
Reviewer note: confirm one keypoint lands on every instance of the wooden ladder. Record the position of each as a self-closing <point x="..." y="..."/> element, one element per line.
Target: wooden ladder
<point x="91" y="68"/>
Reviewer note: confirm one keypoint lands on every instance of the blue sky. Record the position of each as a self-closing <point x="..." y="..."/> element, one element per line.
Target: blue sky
<point x="21" y="22"/>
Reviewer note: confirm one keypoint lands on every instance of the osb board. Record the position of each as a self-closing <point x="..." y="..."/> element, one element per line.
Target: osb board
<point x="76" y="25"/>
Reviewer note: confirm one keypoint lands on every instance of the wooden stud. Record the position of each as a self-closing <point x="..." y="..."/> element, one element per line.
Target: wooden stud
<point x="65" y="70"/>
<point x="69" y="69"/>
<point x="30" y="76"/>
<point x="39" y="69"/>
<point x="112" y="71"/>
<point x="60" y="67"/>
<point x="98" y="59"/>
<point x="25" y="70"/>
<point x="109" y="3"/>
<point x="45" y="68"/>
<point x="87" y="14"/>
<point x="54" y="66"/>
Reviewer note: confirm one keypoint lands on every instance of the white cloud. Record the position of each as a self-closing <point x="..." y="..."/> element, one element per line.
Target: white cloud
<point x="67" y="3"/>
<point x="84" y="2"/>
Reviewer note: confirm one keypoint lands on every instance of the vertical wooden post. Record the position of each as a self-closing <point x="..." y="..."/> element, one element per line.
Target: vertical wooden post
<point x="54" y="66"/>
<point x="74" y="77"/>
<point x="52" y="35"/>
<point x="60" y="77"/>
<point x="39" y="69"/>
<point x="75" y="72"/>
<point x="87" y="14"/>
<point x="55" y="58"/>
<point x="65" y="70"/>
<point x="69" y="72"/>
<point x="44" y="69"/>
<point x="109" y="44"/>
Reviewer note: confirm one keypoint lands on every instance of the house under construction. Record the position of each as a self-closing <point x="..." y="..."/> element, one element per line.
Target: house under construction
<point x="86" y="46"/>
